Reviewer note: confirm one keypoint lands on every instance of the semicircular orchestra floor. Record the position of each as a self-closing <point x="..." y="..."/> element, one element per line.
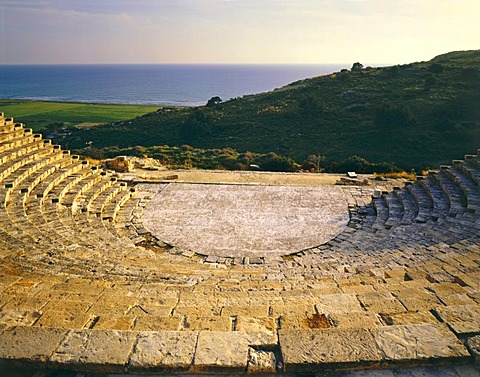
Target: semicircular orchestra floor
<point x="246" y="220"/>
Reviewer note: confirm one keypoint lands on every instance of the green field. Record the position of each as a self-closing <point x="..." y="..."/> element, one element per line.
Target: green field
<point x="38" y="114"/>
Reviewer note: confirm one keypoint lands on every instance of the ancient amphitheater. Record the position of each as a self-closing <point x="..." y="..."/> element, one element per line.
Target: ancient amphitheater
<point x="93" y="282"/>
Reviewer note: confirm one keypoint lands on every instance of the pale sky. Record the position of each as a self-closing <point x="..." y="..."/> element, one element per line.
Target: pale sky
<point x="235" y="31"/>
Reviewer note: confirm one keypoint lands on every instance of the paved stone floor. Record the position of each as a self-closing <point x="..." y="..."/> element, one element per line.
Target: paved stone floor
<point x="245" y="220"/>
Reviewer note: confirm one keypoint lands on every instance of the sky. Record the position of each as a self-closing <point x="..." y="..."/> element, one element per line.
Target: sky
<point x="235" y="31"/>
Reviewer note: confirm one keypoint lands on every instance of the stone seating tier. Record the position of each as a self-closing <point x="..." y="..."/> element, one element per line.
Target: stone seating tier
<point x="410" y="207"/>
<point x="86" y="287"/>
<point x="456" y="197"/>
<point x="14" y="133"/>
<point x="423" y="202"/>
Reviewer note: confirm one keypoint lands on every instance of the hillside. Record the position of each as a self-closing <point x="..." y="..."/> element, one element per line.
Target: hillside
<point x="415" y="115"/>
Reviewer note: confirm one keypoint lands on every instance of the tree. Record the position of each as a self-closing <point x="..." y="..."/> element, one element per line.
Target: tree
<point x="394" y="116"/>
<point x="313" y="163"/>
<point x="214" y="101"/>
<point x="357" y="66"/>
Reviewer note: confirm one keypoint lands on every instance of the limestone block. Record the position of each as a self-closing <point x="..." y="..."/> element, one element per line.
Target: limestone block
<point x="463" y="319"/>
<point x="357" y="288"/>
<point x="338" y="303"/>
<point x="245" y="310"/>
<point x="260" y="361"/>
<point x="221" y="351"/>
<point x="455" y="299"/>
<point x="473" y="345"/>
<point x="358" y="320"/>
<point x="26" y="303"/>
<point x="158" y="323"/>
<point x="19" y="317"/>
<point x="94" y="351"/>
<point x="164" y="351"/>
<point x="123" y="322"/>
<point x="408" y="318"/>
<point x="308" y="350"/>
<point x="262" y="338"/>
<point x="304" y="321"/>
<point x="29" y="346"/>
<point x="418" y="300"/>
<point x="211" y="323"/>
<point x="381" y="302"/>
<point x="257" y="323"/>
<point x="67" y="319"/>
<point x="108" y="304"/>
<point x="419" y="342"/>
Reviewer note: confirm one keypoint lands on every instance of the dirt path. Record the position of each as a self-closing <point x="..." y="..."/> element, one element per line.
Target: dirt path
<point x="240" y="177"/>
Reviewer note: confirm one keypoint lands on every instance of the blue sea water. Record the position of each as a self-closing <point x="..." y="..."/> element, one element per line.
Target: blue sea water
<point x="178" y="85"/>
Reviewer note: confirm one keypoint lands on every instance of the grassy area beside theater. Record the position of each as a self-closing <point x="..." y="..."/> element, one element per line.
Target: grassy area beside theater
<point x="39" y="115"/>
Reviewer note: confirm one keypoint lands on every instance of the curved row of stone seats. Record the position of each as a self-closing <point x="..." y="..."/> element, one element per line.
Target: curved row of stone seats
<point x="36" y="168"/>
<point x="111" y="209"/>
<point x="19" y="199"/>
<point x="91" y="214"/>
<point x="70" y="213"/>
<point x="440" y="201"/>
<point x="381" y="209"/>
<point x="410" y="207"/>
<point x="43" y="188"/>
<point x="424" y="202"/>
<point x="123" y="223"/>
<point x="89" y="192"/>
<point x="471" y="167"/>
<point x="395" y="209"/>
<point x="45" y="157"/>
<point x="64" y="201"/>
<point x="32" y="153"/>
<point x="11" y="133"/>
<point x="469" y="187"/>
<point x="456" y="197"/>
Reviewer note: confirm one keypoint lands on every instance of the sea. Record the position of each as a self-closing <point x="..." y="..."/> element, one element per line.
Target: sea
<point x="163" y="84"/>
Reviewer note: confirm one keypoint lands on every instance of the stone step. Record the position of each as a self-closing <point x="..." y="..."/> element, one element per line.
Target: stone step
<point x="5" y="128"/>
<point x="20" y="157"/>
<point x="12" y="134"/>
<point x="440" y="201"/>
<point x="469" y="187"/>
<point x="7" y="121"/>
<point x="46" y="157"/>
<point x="84" y="201"/>
<point x="81" y="185"/>
<point x="102" y="200"/>
<point x="395" y="209"/>
<point x="457" y="199"/>
<point x="43" y="188"/>
<point x="424" y="202"/>
<point x="472" y="170"/>
<point x="26" y="187"/>
<point x="410" y="208"/>
<point x="381" y="209"/>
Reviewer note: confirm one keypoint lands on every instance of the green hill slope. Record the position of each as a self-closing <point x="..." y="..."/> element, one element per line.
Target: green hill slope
<point x="415" y="115"/>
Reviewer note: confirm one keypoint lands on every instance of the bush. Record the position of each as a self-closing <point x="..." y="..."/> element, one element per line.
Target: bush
<point x="389" y="115"/>
<point x="274" y="162"/>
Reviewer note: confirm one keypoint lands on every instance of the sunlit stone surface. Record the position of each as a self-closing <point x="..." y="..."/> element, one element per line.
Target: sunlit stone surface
<point x="237" y="220"/>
